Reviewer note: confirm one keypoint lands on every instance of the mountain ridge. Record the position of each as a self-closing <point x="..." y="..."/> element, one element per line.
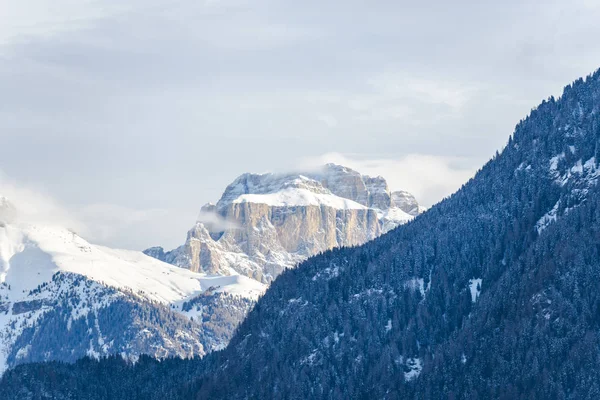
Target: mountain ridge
<point x="58" y="291"/>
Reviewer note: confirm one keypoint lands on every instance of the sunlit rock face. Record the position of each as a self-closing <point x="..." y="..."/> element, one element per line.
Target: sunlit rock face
<point x="265" y="223"/>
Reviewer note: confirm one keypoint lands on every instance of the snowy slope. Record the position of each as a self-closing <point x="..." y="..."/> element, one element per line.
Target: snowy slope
<point x="49" y="270"/>
<point x="30" y="255"/>
<point x="299" y="197"/>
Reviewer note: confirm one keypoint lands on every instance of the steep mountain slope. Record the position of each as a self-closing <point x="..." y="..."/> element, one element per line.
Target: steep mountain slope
<point x="493" y="293"/>
<point x="264" y="224"/>
<point x="62" y="298"/>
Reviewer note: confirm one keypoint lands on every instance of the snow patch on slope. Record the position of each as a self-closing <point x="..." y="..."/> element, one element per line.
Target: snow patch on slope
<point x="416" y="284"/>
<point x="233" y="284"/>
<point x="413" y="368"/>
<point x="579" y="177"/>
<point x="547" y="218"/>
<point x="32" y="254"/>
<point x="475" y="288"/>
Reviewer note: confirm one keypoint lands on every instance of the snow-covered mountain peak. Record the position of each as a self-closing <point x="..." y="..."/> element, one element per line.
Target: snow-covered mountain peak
<point x="331" y="185"/>
<point x="31" y="254"/>
<point x="267" y="184"/>
<point x="51" y="277"/>
<point x="265" y="223"/>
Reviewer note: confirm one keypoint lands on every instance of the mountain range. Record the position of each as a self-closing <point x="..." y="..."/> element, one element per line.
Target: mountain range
<point x="63" y="298"/>
<point x="492" y="293"/>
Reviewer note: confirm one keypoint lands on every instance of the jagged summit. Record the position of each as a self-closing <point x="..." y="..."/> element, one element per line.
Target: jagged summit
<point x="407" y="202"/>
<point x="363" y="189"/>
<point x="265" y="223"/>
<point x="331" y="180"/>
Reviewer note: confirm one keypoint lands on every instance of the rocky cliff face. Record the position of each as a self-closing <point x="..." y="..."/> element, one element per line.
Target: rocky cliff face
<point x="406" y="202"/>
<point x="347" y="183"/>
<point x="266" y="223"/>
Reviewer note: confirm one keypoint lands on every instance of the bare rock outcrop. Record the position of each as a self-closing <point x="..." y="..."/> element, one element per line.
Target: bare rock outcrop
<point x="265" y="223"/>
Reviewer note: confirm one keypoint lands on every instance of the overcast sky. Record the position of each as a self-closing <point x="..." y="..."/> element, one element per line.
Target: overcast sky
<point x="121" y="118"/>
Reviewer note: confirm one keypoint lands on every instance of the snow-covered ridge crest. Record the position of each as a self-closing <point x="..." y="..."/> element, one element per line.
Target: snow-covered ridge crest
<point x="257" y="188"/>
<point x="290" y="197"/>
<point x="31" y="254"/>
<point x="51" y="276"/>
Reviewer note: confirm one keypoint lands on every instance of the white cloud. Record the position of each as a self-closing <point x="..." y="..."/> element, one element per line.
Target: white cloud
<point x="401" y="85"/>
<point x="106" y="224"/>
<point x="399" y="96"/>
<point x="150" y="107"/>
<point x="329" y="120"/>
<point x="125" y="227"/>
<point x="381" y="111"/>
<point x="215" y="222"/>
<point x="21" y="20"/>
<point x="107" y="221"/>
<point x="36" y="207"/>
